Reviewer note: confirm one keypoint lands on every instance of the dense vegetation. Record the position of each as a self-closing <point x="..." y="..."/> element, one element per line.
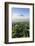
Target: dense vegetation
<point x="20" y="29"/>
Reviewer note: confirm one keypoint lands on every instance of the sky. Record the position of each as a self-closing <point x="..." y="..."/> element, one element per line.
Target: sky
<point x="20" y="11"/>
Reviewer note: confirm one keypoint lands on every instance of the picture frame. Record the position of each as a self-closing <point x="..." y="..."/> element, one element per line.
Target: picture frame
<point x="26" y="17"/>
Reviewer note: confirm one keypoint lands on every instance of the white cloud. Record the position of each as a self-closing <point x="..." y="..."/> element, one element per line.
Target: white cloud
<point x="16" y="14"/>
<point x="20" y="18"/>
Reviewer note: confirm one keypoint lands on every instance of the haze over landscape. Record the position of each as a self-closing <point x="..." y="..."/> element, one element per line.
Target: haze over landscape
<point x="20" y="22"/>
<point x="20" y="14"/>
<point x="20" y="18"/>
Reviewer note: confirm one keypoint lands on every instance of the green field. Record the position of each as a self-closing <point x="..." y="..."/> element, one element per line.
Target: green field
<point x="20" y="29"/>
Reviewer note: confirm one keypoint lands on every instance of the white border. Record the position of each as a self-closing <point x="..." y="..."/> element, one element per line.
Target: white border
<point x="10" y="23"/>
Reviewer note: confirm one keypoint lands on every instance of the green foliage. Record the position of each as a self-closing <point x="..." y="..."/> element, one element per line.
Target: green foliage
<point x="20" y="29"/>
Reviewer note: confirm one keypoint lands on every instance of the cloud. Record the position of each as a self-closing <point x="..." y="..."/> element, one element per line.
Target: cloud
<point x="17" y="18"/>
<point x="17" y="14"/>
